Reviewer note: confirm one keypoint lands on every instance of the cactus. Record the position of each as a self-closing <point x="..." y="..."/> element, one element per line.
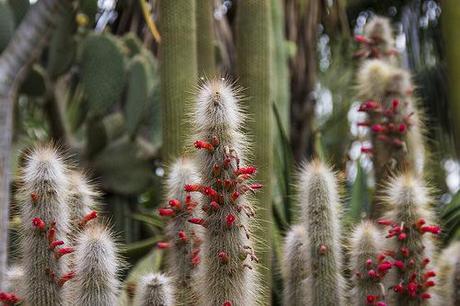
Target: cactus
<point x="253" y="33"/>
<point x="396" y="133"/>
<point x="321" y="210"/>
<point x="366" y="245"/>
<point x="43" y="199"/>
<point x="410" y="219"/>
<point x="377" y="41"/>
<point x="225" y="275"/>
<point x="102" y="56"/>
<point x="448" y="267"/>
<point x="205" y="38"/>
<point x="19" y="8"/>
<point x="183" y="236"/>
<point x="178" y="71"/>
<point x="154" y="290"/>
<point x="295" y="266"/>
<point x="96" y="266"/>
<point x="6" y="25"/>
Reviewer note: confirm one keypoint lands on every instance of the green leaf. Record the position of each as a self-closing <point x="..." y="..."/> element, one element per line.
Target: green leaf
<point x="137" y="94"/>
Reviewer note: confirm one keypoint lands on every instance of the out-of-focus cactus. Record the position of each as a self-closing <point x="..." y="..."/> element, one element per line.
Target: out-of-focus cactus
<point x="43" y="197"/>
<point x="366" y="247"/>
<point x="397" y="140"/>
<point x="178" y="71"/>
<point x="295" y="266"/>
<point x="226" y="275"/>
<point x="96" y="265"/>
<point x="183" y="237"/>
<point x="253" y="35"/>
<point x="410" y="245"/>
<point x="155" y="290"/>
<point x="19" y="8"/>
<point x="6" y="25"/>
<point x="321" y="209"/>
<point x="447" y="292"/>
<point x="101" y="56"/>
<point x="205" y="38"/>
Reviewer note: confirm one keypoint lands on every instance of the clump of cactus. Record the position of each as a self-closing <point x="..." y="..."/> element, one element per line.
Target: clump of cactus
<point x="154" y="290"/>
<point x="447" y="292"/>
<point x="183" y="237"/>
<point x="57" y="220"/>
<point x="226" y="275"/>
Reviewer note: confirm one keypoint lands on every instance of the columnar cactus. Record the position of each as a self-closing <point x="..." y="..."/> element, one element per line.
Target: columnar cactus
<point x="321" y="210"/>
<point x="178" y="70"/>
<point x="96" y="265"/>
<point x="205" y="37"/>
<point x="42" y="198"/>
<point x="377" y="41"/>
<point x="409" y="247"/>
<point x="154" y="290"/>
<point x="295" y="266"/>
<point x="182" y="235"/>
<point x="448" y="267"/>
<point x="366" y="246"/>
<point x="397" y="141"/>
<point x="226" y="275"/>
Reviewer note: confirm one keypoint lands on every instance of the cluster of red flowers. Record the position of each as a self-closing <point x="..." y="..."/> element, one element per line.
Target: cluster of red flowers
<point x="389" y="124"/>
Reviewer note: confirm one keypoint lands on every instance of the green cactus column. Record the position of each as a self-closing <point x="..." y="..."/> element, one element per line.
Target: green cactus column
<point x="178" y="70"/>
<point x="205" y="38"/>
<point x="253" y="30"/>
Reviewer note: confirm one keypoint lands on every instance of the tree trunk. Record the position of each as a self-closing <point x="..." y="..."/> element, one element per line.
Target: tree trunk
<point x="24" y="48"/>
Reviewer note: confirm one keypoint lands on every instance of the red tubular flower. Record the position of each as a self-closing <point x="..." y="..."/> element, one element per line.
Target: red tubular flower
<point x="368" y="262"/>
<point x="200" y="144"/>
<point x="420" y="222"/>
<point x="394" y="104"/>
<point x="425" y="295"/>
<point x="402" y="128"/>
<point x="214" y="205"/>
<point x="365" y="123"/>
<point x="230" y="219"/>
<point x="196" y="259"/>
<point x="246" y="170"/>
<point x="208" y="191"/>
<point x="34" y="197"/>
<point x="429" y="274"/>
<point x="385" y="222"/>
<point x="51" y="234"/>
<point x="380" y="257"/>
<point x="166" y="212"/>
<point x="55" y="243"/>
<point x="366" y="150"/>
<point x="174" y="203"/>
<point x="63" y="251"/>
<point x="88" y="217"/>
<point x="235" y="195"/>
<point x="198" y="221"/>
<point x="402" y="236"/>
<point x="223" y="257"/>
<point x="371" y="299"/>
<point x="412" y="289"/>
<point x="398" y="288"/>
<point x="399" y="264"/>
<point x="256" y="186"/>
<point x="39" y="224"/>
<point x="368" y="106"/>
<point x="434" y="229"/>
<point x="405" y="251"/>
<point x="361" y="39"/>
<point x="429" y="283"/>
<point x="227" y="303"/>
<point x="182" y="236"/>
<point x="66" y="277"/>
<point x="384" y="266"/>
<point x="425" y="262"/>
<point x="377" y="128"/>
<point x="371" y="273"/>
<point x="8" y="298"/>
<point x="192" y="188"/>
<point x="380" y="303"/>
<point x="163" y="245"/>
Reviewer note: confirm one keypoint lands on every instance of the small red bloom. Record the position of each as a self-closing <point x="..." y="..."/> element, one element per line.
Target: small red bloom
<point x="398" y="288"/>
<point x="200" y="144"/>
<point x="63" y="251"/>
<point x="88" y="217"/>
<point x="399" y="264"/>
<point x="8" y="298"/>
<point x="256" y="186"/>
<point x="380" y="257"/>
<point x="210" y="192"/>
<point x="405" y="251"/>
<point x="426" y="261"/>
<point x="246" y="170"/>
<point x="66" y="277"/>
<point x="214" y="205"/>
<point x="163" y="245"/>
<point x="434" y="229"/>
<point x="322" y="249"/>
<point x="429" y="283"/>
<point x="385" y="222"/>
<point x="38" y="223"/>
<point x="55" y="243"/>
<point x="223" y="257"/>
<point x="230" y="219"/>
<point x="227" y="303"/>
<point x="394" y="104"/>
<point x="196" y="260"/>
<point x="182" y="236"/>
<point x="361" y="39"/>
<point x="166" y="212"/>
<point x="198" y="221"/>
<point x="174" y="203"/>
<point x="420" y="222"/>
<point x="402" y="236"/>
<point x="429" y="274"/>
<point x="402" y="128"/>
<point x="425" y="296"/>
<point x="192" y="188"/>
<point x="371" y="299"/>
<point x="235" y="195"/>
<point x="381" y="303"/>
<point x="34" y="197"/>
<point x="384" y="266"/>
<point x="369" y="262"/>
<point x="412" y="289"/>
<point x="378" y="128"/>
<point x="371" y="273"/>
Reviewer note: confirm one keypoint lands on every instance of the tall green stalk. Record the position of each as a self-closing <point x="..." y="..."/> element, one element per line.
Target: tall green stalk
<point x="253" y="31"/>
<point x="205" y="38"/>
<point x="178" y="70"/>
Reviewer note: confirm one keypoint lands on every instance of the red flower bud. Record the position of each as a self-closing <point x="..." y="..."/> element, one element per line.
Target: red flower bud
<point x="66" y="277"/>
<point x="412" y="289"/>
<point x="371" y="273"/>
<point x="384" y="266"/>
<point x="429" y="283"/>
<point x="88" y="217"/>
<point x="199" y="144"/>
<point x="38" y="223"/>
<point x="405" y="251"/>
<point x="235" y="195"/>
<point x="369" y="262"/>
<point x="163" y="245"/>
<point x="429" y="274"/>
<point x="394" y="104"/>
<point x="246" y="170"/>
<point x="402" y="128"/>
<point x="371" y="299"/>
<point x="378" y="128"/>
<point x="55" y="243"/>
<point x="361" y="39"/>
<point x="256" y="186"/>
<point x="192" y="188"/>
<point x="166" y="212"/>
<point x="399" y="264"/>
<point x="227" y="303"/>
<point x="381" y="303"/>
<point x="34" y="197"/>
<point x="425" y="296"/>
<point x="214" y="205"/>
<point x="230" y="219"/>
<point x="8" y="298"/>
<point x="223" y="257"/>
<point x="385" y="222"/>
<point x="63" y="251"/>
<point x="402" y="236"/>
<point x="398" y="288"/>
<point x="182" y="236"/>
<point x="198" y="221"/>
<point x="174" y="203"/>
<point x="434" y="229"/>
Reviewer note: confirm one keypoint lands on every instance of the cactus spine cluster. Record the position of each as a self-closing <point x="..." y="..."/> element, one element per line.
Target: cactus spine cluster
<point x="226" y="274"/>
<point x="182" y="235"/>
<point x="55" y="204"/>
<point x="448" y="267"/>
<point x="319" y="200"/>
<point x="366" y="245"/>
<point x="409" y="242"/>
<point x="295" y="266"/>
<point x="178" y="70"/>
<point x="253" y="36"/>
<point x="155" y="290"/>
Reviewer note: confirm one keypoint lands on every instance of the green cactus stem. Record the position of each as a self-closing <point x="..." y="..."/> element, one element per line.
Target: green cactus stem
<point x="205" y="38"/>
<point x="154" y="290"/>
